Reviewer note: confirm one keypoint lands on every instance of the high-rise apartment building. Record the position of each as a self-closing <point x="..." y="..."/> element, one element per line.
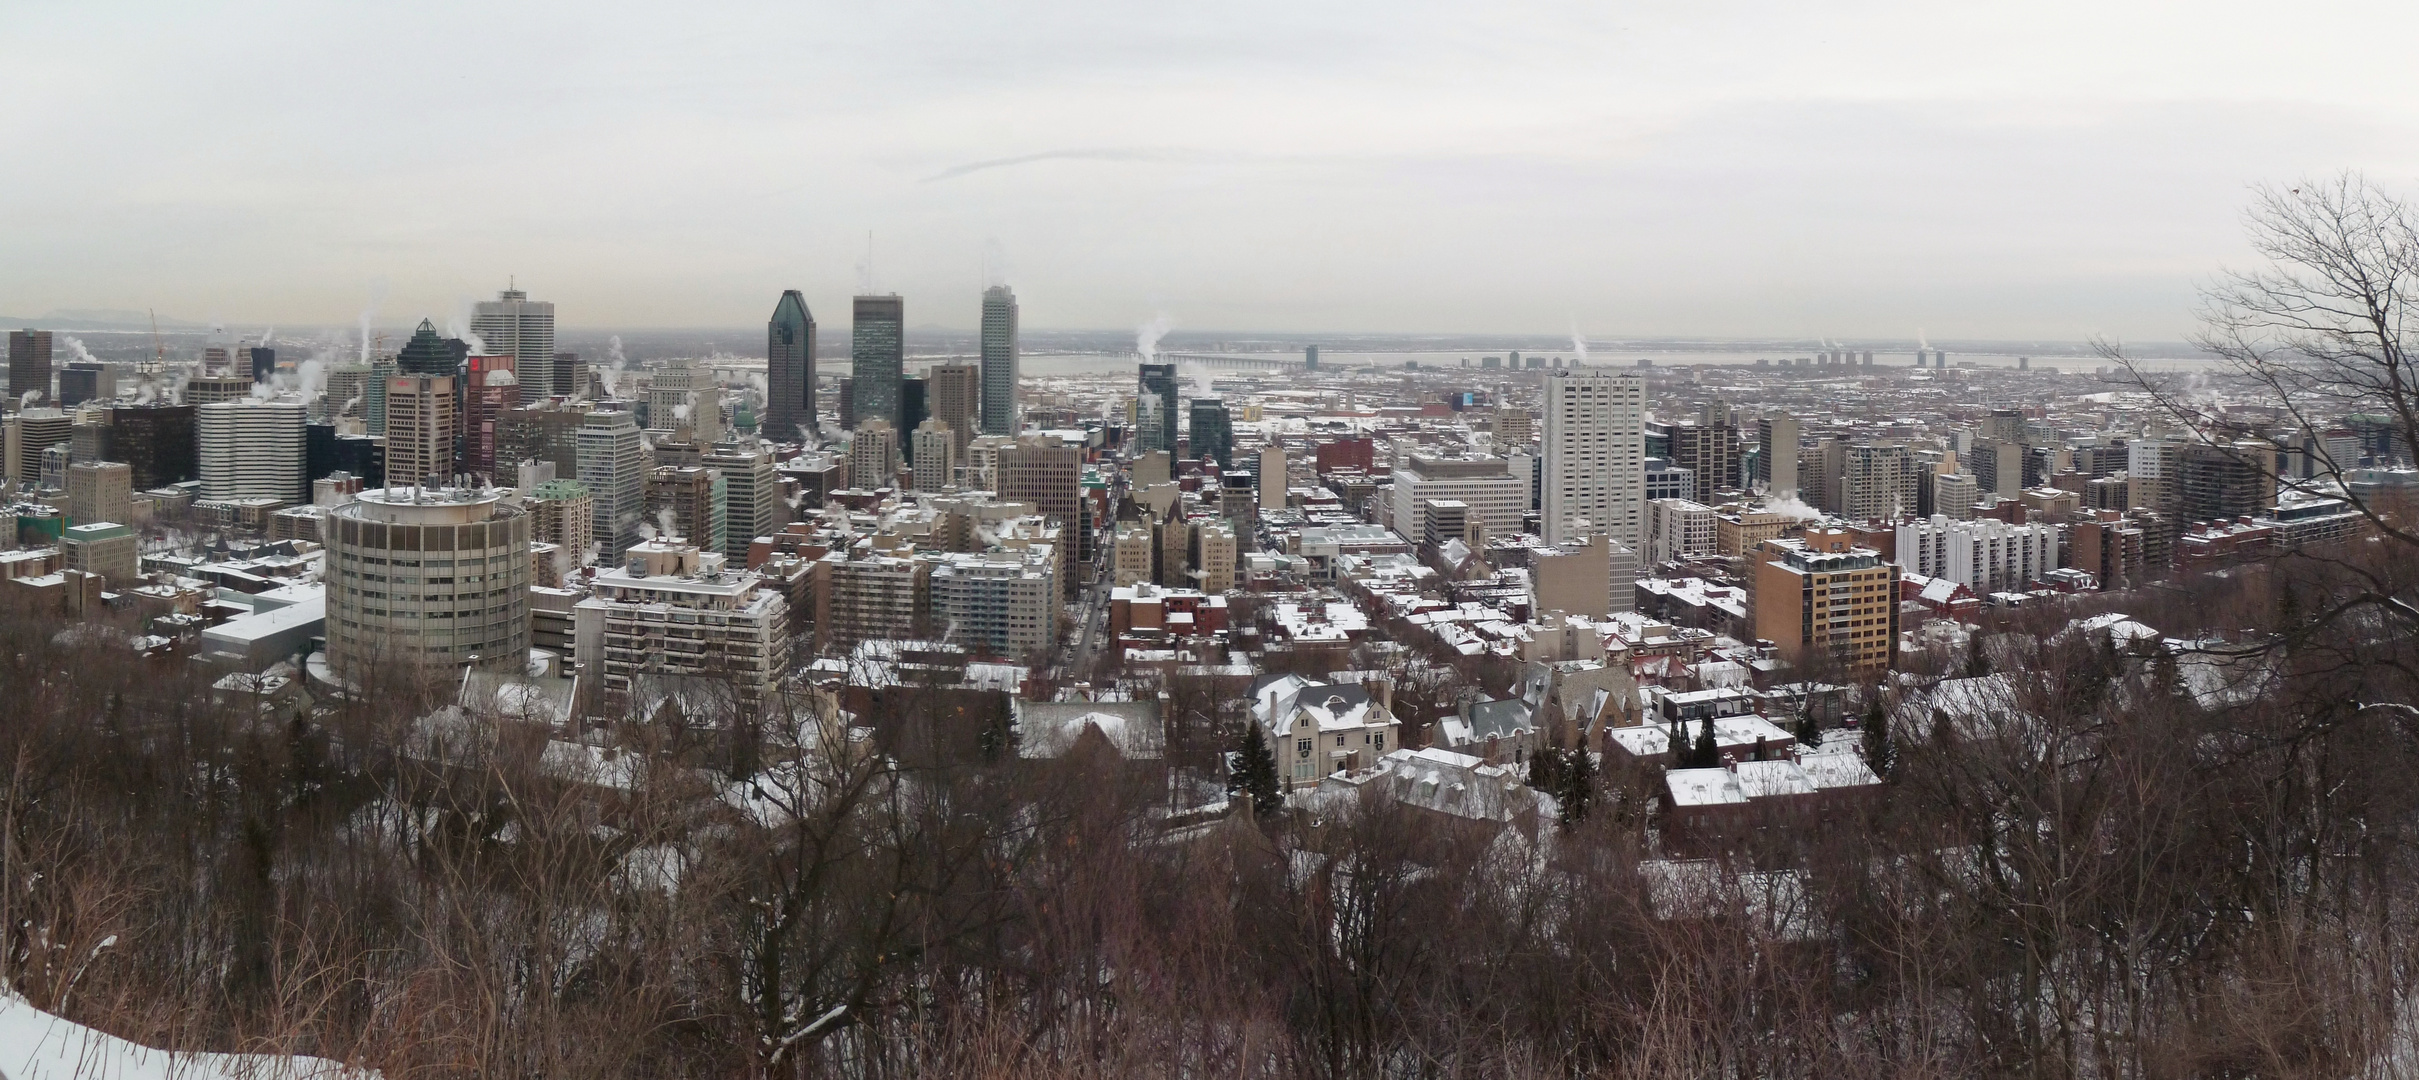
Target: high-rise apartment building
<point x="1984" y="555"/>
<point x="680" y="615"/>
<point x="686" y="501"/>
<point x="1776" y="454"/>
<point x="514" y="325"/>
<point x="1679" y="529"/>
<point x="253" y="450"/>
<point x="1002" y="603"/>
<point x="1048" y="476"/>
<point x="1272" y="477"/>
<point x="1879" y="483"/>
<point x="420" y="429"/>
<point x="1820" y="599"/>
<point x="873" y="456"/>
<point x="1595" y="458"/>
<point x="1159" y="385"/>
<point x="28" y="366"/>
<point x="562" y="514"/>
<point x="789" y="374"/>
<point x="419" y="576"/>
<point x="1997" y="466"/>
<point x="752" y="504"/>
<point x="935" y="456"/>
<point x="1711" y="451"/>
<point x="999" y="361"/>
<point x="106" y="548"/>
<point x="1514" y="428"/>
<point x="877" y="358"/>
<point x="38" y="430"/>
<point x="1954" y="495"/>
<point x="613" y="467"/>
<point x="2224" y="482"/>
<point x="957" y="400"/>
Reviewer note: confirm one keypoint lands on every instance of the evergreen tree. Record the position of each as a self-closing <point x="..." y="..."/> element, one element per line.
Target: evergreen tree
<point x="1809" y="730"/>
<point x="1578" y="786"/>
<point x="1542" y="774"/>
<point x="1878" y="751"/>
<point x="1707" y="754"/>
<point x="1977" y="663"/>
<point x="1255" y="773"/>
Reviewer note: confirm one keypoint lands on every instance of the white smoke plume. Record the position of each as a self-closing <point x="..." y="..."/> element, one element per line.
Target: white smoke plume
<point x="265" y="335"/>
<point x="1794" y="507"/>
<point x="1146" y="337"/>
<point x="664" y="515"/>
<point x="1578" y="341"/>
<point x="81" y="353"/>
<point x="368" y="312"/>
<point x="457" y="326"/>
<point x="614" y="363"/>
<point x="28" y="402"/>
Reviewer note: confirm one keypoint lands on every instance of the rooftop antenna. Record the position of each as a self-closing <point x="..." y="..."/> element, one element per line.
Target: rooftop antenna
<point x="159" y="349"/>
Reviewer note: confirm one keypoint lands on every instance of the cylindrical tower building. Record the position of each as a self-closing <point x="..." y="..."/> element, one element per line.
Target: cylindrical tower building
<point x="438" y="576"/>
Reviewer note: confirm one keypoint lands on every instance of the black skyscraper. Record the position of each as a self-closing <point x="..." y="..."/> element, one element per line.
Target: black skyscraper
<point x="877" y="356"/>
<point x="1159" y="380"/>
<point x="264" y="363"/>
<point x="915" y="407"/>
<point x="28" y="365"/>
<point x="789" y="382"/>
<point x="427" y="353"/>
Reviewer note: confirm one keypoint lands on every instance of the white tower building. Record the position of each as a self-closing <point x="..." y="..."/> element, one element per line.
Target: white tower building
<point x="1595" y="457"/>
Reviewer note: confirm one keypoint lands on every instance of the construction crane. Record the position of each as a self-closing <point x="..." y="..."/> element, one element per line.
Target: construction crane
<point x="159" y="350"/>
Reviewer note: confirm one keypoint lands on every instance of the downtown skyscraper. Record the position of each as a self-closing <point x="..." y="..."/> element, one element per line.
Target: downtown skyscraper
<point x="1595" y="457"/>
<point x="1157" y="421"/>
<point x="789" y="377"/>
<point x="513" y="324"/>
<point x="999" y="361"/>
<point x="877" y="357"/>
<point x="28" y="365"/>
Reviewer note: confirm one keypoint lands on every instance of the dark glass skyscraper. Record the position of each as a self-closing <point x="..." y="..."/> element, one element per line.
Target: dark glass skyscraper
<point x="1213" y="432"/>
<point x="264" y="363"/>
<point x="789" y="378"/>
<point x="1159" y="380"/>
<point x="28" y="365"/>
<point x="999" y="361"/>
<point x="877" y="356"/>
<point x="428" y="353"/>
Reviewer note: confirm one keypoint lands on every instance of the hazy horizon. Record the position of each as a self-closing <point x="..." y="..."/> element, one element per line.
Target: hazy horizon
<point x="1880" y="170"/>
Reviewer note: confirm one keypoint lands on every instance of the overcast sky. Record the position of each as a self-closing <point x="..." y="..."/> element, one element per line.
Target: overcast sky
<point x="2042" y="169"/>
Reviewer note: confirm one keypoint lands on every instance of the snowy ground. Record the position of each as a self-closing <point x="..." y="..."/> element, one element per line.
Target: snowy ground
<point x="34" y="1045"/>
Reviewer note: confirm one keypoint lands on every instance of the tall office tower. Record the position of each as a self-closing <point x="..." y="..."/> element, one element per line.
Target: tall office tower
<point x="542" y="431"/>
<point x="1213" y="432"/>
<point x="1709" y="450"/>
<point x="385" y="615"/>
<point x="216" y="360"/>
<point x="1001" y="603"/>
<point x="2004" y="425"/>
<point x="1272" y="477"/>
<point x="494" y="392"/>
<point x="877" y="357"/>
<point x="373" y="397"/>
<point x="570" y="378"/>
<point x="562" y="514"/>
<point x="100" y="491"/>
<point x="2157" y="471"/>
<point x="751" y="494"/>
<point x="421" y="428"/>
<point x="957" y="400"/>
<point x="873" y="456"/>
<point x="1310" y="358"/>
<point x="514" y="325"/>
<point x="999" y="361"/>
<point x="215" y="389"/>
<point x="733" y="630"/>
<point x="789" y="371"/>
<point x="915" y="407"/>
<point x="613" y="467"/>
<point x="80" y="382"/>
<point x="28" y="366"/>
<point x="1595" y="457"/>
<point x="1776" y="454"/>
<point x="1998" y="466"/>
<point x="684" y="399"/>
<point x="253" y="450"/>
<point x="1953" y="495"/>
<point x="686" y="501"/>
<point x="264" y="363"/>
<point x="429" y="353"/>
<point x="844" y="401"/>
<point x="38" y="430"/>
<point x="935" y="458"/>
<point x="1159" y="384"/>
<point x="156" y="439"/>
<point x="1048" y="476"/>
<point x="1880" y="483"/>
